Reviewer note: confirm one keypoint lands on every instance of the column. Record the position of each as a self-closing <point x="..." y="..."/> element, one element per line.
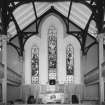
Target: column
<point x="101" y="59"/>
<point x="84" y="67"/>
<point x="83" y="72"/>
<point x="4" y="61"/>
<point x="22" y="74"/>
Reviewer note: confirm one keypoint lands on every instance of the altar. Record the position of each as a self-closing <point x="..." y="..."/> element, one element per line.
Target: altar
<point x="52" y="94"/>
<point x="51" y="98"/>
<point x="52" y="75"/>
<point x="55" y="94"/>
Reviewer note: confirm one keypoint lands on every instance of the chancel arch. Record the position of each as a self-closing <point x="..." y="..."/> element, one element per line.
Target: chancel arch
<point x="53" y="23"/>
<point x="72" y="43"/>
<point x="56" y="52"/>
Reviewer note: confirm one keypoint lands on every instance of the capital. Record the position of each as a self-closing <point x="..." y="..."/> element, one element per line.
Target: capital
<point x="21" y="59"/>
<point x="4" y="38"/>
<point x="101" y="36"/>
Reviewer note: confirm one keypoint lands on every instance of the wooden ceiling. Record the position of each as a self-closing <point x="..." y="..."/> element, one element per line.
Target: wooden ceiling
<point x="87" y="15"/>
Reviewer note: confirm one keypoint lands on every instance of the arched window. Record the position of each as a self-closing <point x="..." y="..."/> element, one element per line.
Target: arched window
<point x="35" y="65"/>
<point x="69" y="63"/>
<point x="52" y="53"/>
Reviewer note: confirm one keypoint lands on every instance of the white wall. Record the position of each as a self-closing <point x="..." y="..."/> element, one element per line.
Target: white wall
<point x="52" y="20"/>
<point x="27" y="60"/>
<point x="42" y="42"/>
<point x="77" y="57"/>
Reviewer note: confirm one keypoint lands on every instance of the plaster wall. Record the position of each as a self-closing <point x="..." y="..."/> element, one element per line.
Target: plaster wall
<point x="42" y="43"/>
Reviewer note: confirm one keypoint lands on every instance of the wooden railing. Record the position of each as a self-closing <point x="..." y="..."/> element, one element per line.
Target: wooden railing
<point x="12" y="76"/>
<point x="91" y="71"/>
<point x="92" y="77"/>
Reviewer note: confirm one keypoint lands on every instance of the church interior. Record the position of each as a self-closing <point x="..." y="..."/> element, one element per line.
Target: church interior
<point x="52" y="52"/>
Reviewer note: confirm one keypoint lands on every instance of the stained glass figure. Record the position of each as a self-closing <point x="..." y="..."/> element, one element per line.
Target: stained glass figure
<point x="35" y="65"/>
<point x="69" y="63"/>
<point x="52" y="52"/>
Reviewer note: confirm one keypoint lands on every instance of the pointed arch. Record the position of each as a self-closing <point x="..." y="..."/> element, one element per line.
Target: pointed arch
<point x="52" y="20"/>
<point x="76" y="75"/>
<point x="32" y="48"/>
<point x="35" y="64"/>
<point x="69" y="63"/>
<point x="42" y="44"/>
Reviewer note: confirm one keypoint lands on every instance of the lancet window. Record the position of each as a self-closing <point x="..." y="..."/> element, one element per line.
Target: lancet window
<point x="52" y="53"/>
<point x="35" y="65"/>
<point x="69" y="63"/>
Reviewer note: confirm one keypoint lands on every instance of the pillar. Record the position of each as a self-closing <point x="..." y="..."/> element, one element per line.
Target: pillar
<point x="84" y="71"/>
<point x="101" y="59"/>
<point x="4" y="61"/>
<point x="22" y="74"/>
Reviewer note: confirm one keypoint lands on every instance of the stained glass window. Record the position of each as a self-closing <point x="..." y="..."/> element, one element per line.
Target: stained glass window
<point x="69" y="63"/>
<point x="52" y="52"/>
<point x="35" y="65"/>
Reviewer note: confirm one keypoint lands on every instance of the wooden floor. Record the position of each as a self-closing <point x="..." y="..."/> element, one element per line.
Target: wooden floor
<point x="53" y="104"/>
<point x="56" y="104"/>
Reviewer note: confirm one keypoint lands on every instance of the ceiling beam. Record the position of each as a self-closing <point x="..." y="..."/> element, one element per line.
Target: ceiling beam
<point x="85" y="33"/>
<point x="35" y="15"/>
<point x="89" y="46"/>
<point x="69" y="15"/>
<point x="34" y="9"/>
<point x="70" y="8"/>
<point x="19" y="32"/>
<point x="99" y="12"/>
<point x="28" y="1"/>
<point x="43" y="0"/>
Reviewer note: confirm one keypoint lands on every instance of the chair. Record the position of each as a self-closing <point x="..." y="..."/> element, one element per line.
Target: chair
<point x="75" y="99"/>
<point x="31" y="100"/>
